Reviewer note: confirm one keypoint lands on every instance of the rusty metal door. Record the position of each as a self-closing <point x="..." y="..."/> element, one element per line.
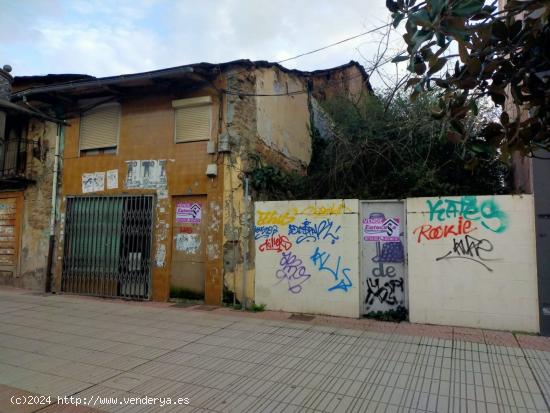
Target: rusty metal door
<point x="189" y="245"/>
<point x="383" y="256"/>
<point x="10" y="218"/>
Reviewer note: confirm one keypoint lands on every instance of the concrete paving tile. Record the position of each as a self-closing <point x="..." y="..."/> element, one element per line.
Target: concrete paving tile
<point x="245" y="361"/>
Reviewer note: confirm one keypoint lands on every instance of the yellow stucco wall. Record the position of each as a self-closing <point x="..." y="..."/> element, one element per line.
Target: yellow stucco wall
<point x="283" y="121"/>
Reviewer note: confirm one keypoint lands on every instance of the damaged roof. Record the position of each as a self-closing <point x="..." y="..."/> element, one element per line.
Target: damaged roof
<point x="27" y="86"/>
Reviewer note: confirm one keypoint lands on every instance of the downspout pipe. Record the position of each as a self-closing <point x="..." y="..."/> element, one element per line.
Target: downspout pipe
<point x="246" y="230"/>
<point x="49" y="275"/>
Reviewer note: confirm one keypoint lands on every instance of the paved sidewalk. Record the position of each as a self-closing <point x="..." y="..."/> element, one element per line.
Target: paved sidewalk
<point x="225" y="361"/>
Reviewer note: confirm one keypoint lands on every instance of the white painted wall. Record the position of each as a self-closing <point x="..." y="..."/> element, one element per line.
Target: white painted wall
<point x="492" y="287"/>
<point x="290" y="275"/>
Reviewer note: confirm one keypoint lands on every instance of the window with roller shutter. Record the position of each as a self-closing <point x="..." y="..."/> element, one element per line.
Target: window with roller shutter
<point x="192" y="119"/>
<point x="99" y="128"/>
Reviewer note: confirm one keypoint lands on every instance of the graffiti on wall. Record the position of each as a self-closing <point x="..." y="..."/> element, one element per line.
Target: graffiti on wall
<point x="470" y="248"/>
<point x="292" y="270"/>
<point x="304" y="238"/>
<point x="307" y="231"/>
<point x="285" y="217"/>
<point x="384" y="283"/>
<point x="322" y="261"/>
<point x="386" y="292"/>
<point x="456" y="219"/>
<point x="486" y="212"/>
<point x="265" y="231"/>
<point x="276" y="243"/>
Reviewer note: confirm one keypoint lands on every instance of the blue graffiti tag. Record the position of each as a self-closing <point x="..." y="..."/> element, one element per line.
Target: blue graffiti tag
<point x="469" y="208"/>
<point x="316" y="232"/>
<point x="266" y="231"/>
<point x="321" y="259"/>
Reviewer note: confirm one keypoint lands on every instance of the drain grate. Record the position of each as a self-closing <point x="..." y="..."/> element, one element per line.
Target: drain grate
<point x="301" y="317"/>
<point x="205" y="307"/>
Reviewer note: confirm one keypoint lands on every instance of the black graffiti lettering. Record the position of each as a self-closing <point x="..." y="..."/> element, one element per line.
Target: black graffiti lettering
<point x="470" y="248"/>
<point x="385" y="293"/>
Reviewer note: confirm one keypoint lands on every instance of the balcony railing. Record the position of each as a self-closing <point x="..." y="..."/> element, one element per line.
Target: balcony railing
<point x="13" y="158"/>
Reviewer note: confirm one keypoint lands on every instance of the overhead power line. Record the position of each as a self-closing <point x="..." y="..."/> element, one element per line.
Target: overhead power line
<point x="317" y="50"/>
<point x="334" y="44"/>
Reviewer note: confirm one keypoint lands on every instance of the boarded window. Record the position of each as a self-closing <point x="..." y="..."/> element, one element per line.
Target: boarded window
<point x="99" y="127"/>
<point x="192" y="119"/>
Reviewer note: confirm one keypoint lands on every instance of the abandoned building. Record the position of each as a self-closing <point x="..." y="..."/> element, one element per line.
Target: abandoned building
<point x="27" y="159"/>
<point x="153" y="174"/>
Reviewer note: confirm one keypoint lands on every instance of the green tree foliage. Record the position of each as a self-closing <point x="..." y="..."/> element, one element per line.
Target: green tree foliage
<point x="381" y="152"/>
<point x="502" y="54"/>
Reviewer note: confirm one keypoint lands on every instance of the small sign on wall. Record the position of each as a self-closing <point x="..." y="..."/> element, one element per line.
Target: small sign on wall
<point x="189" y="212"/>
<point x="381" y="229"/>
<point x="93" y="182"/>
<point x="112" y="179"/>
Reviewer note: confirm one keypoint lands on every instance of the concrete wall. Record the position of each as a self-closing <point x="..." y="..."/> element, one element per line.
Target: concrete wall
<point x="307" y="257"/>
<point x="472" y="262"/>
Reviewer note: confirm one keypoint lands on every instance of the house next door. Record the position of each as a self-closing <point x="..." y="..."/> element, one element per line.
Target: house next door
<point x="188" y="245"/>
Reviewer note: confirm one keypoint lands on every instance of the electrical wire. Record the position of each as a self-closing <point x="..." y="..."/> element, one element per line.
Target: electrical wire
<point x="316" y="50"/>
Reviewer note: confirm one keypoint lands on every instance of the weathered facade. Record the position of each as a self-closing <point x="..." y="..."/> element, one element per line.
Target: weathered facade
<point x="152" y="193"/>
<point x="27" y="157"/>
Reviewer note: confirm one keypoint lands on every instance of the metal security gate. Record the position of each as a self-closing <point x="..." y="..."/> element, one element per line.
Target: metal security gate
<point x="107" y="247"/>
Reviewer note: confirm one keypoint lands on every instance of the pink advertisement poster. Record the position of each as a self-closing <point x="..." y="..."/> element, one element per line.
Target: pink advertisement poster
<point x="189" y="212"/>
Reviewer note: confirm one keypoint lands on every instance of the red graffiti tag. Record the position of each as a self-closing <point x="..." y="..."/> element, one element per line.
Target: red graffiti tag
<point x="431" y="232"/>
<point x="277" y="243"/>
<point x="185" y="230"/>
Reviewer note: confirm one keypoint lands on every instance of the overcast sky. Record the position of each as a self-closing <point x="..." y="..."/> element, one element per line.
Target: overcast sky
<point x="106" y="37"/>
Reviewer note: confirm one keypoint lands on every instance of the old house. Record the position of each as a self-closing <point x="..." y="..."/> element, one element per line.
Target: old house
<point x="27" y="181"/>
<point x="152" y="194"/>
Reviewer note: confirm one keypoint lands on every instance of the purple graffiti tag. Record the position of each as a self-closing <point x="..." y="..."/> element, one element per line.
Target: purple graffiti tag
<point x="293" y="270"/>
<point x="316" y="232"/>
<point x="320" y="259"/>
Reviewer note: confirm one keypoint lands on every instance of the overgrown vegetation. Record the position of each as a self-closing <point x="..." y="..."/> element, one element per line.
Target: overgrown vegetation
<point x="503" y="54"/>
<point x="255" y="308"/>
<point x="397" y="315"/>
<point x="384" y="151"/>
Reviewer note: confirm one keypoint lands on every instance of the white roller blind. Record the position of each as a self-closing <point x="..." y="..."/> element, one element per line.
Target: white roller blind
<point x="192" y="119"/>
<point x="99" y="127"/>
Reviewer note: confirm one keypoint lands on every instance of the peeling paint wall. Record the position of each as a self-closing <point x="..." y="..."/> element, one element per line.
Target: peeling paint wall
<point x="35" y="214"/>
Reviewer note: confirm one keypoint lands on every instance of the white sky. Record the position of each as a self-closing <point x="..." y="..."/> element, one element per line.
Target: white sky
<point x="112" y="37"/>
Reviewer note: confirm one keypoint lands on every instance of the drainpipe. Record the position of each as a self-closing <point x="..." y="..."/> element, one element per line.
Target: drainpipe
<point x="245" y="242"/>
<point x="49" y="275"/>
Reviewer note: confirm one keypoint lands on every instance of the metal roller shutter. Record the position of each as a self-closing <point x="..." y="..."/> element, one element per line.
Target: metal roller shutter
<point x="99" y="127"/>
<point x="192" y="119"/>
